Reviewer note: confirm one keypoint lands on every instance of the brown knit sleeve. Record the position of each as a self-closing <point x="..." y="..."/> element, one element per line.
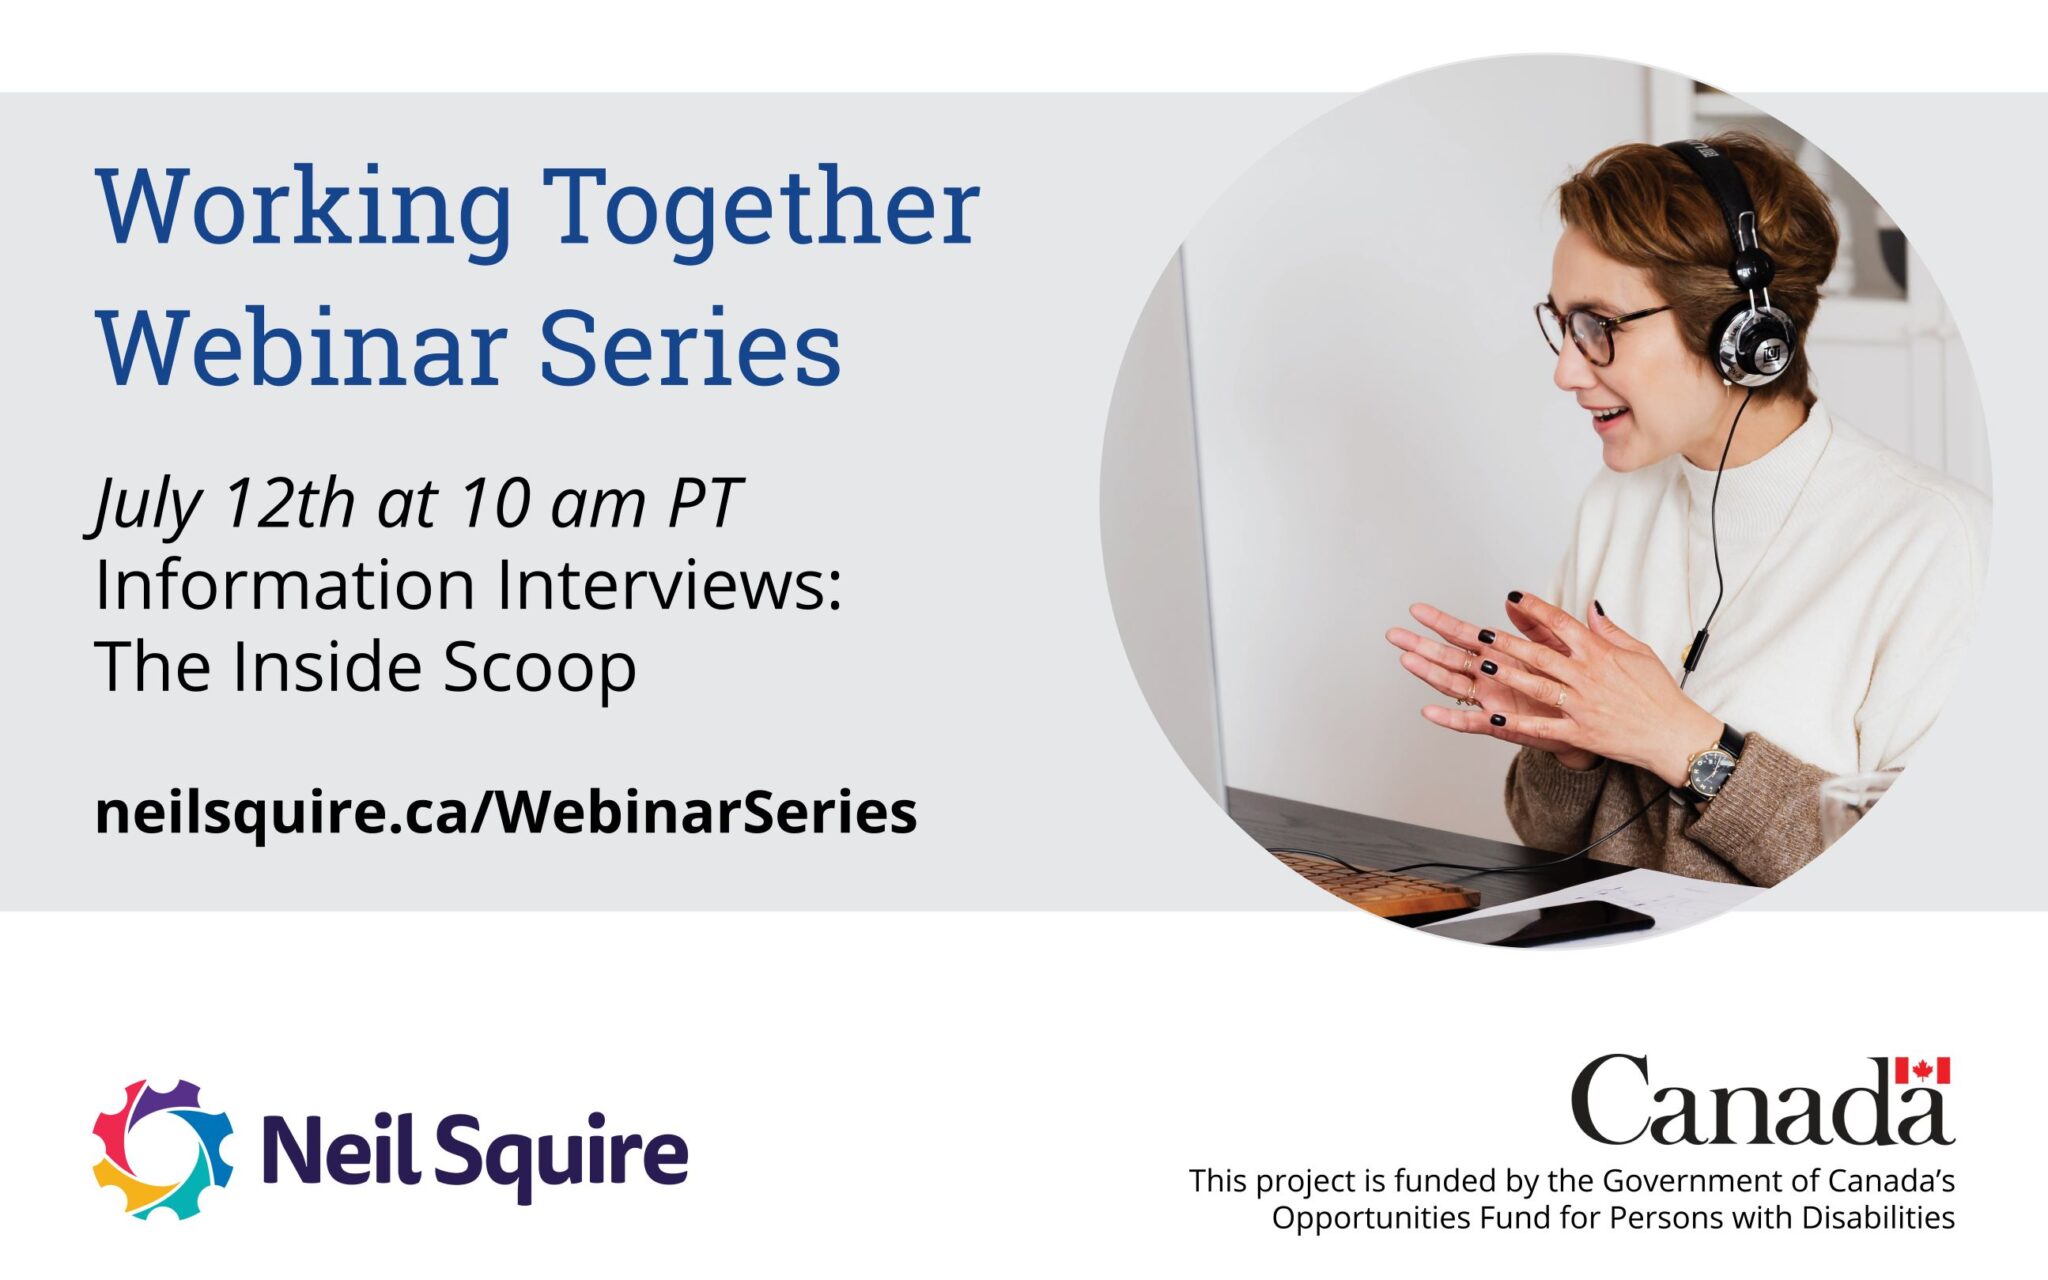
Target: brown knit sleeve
<point x="1766" y="820"/>
<point x="1550" y="806"/>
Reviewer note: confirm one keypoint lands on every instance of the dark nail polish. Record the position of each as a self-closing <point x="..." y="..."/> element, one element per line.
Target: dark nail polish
<point x="1490" y="667"/>
<point x="1486" y="637"/>
<point x="1514" y="597"/>
<point x="1499" y="721"/>
<point x="1599" y="608"/>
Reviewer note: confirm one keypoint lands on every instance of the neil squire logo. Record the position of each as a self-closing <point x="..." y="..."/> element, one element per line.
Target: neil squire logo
<point x="394" y="1148"/>
<point x="172" y="1105"/>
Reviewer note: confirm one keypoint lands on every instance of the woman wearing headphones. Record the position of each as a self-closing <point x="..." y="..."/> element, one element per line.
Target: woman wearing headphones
<point x="1836" y="577"/>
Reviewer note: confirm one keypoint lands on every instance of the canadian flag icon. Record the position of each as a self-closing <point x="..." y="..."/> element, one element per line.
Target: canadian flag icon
<point x="1907" y="1071"/>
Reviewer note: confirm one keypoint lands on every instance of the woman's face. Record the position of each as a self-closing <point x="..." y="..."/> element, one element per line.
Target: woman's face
<point x="1674" y="399"/>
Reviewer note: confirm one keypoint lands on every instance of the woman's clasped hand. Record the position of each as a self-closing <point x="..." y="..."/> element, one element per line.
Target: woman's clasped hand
<point x="1582" y="691"/>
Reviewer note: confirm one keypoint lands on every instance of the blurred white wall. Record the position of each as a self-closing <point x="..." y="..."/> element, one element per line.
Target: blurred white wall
<point x="1378" y="424"/>
<point x="1152" y="533"/>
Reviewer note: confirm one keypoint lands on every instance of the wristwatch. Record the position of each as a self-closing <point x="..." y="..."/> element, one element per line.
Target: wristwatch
<point x="1707" y="772"/>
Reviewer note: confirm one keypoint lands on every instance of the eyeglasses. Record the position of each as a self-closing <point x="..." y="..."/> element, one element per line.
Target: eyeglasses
<point x="1592" y="332"/>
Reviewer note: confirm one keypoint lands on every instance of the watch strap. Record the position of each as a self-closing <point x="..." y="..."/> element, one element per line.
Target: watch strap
<point x="1732" y="741"/>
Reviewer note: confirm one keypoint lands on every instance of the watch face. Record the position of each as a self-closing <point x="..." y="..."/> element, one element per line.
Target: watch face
<point x="1709" y="770"/>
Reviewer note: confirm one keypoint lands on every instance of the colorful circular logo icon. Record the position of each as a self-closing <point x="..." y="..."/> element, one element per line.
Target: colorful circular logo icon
<point x="208" y="1169"/>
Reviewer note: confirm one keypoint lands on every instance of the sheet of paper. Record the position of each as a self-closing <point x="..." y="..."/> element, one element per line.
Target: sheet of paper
<point x="1675" y="902"/>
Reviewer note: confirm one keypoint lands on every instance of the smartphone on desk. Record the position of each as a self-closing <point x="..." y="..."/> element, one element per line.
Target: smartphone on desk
<point x="1540" y="925"/>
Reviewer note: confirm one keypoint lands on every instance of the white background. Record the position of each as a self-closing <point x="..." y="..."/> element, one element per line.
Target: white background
<point x="989" y="1094"/>
<point x="1004" y="1094"/>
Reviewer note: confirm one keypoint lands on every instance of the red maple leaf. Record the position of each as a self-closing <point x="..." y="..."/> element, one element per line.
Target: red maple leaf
<point x="1922" y="1070"/>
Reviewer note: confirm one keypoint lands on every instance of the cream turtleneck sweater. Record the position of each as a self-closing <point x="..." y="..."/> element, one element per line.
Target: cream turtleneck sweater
<point x="1852" y="577"/>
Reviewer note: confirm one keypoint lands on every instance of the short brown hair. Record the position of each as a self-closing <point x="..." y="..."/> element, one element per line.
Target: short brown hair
<point x="1644" y="206"/>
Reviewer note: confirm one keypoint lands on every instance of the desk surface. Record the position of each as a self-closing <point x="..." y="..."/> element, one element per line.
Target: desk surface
<point x="1383" y="843"/>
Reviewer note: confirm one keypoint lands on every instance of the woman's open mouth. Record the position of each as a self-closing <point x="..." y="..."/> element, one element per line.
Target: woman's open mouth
<point x="1603" y="419"/>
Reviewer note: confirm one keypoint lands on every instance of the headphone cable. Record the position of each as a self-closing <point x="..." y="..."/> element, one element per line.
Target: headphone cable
<point x="1466" y="866"/>
<point x="1699" y="642"/>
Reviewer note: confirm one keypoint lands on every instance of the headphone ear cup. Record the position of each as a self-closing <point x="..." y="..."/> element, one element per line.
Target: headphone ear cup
<point x="1721" y="352"/>
<point x="1751" y="346"/>
<point x="1766" y="345"/>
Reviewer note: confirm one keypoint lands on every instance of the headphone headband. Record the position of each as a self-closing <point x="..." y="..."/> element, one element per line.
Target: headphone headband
<point x="1725" y="181"/>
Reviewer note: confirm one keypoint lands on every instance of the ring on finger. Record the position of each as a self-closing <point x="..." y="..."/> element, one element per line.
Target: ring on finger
<point x="1560" y="698"/>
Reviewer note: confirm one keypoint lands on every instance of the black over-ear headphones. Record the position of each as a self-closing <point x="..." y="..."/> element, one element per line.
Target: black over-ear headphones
<point x="1750" y="344"/>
